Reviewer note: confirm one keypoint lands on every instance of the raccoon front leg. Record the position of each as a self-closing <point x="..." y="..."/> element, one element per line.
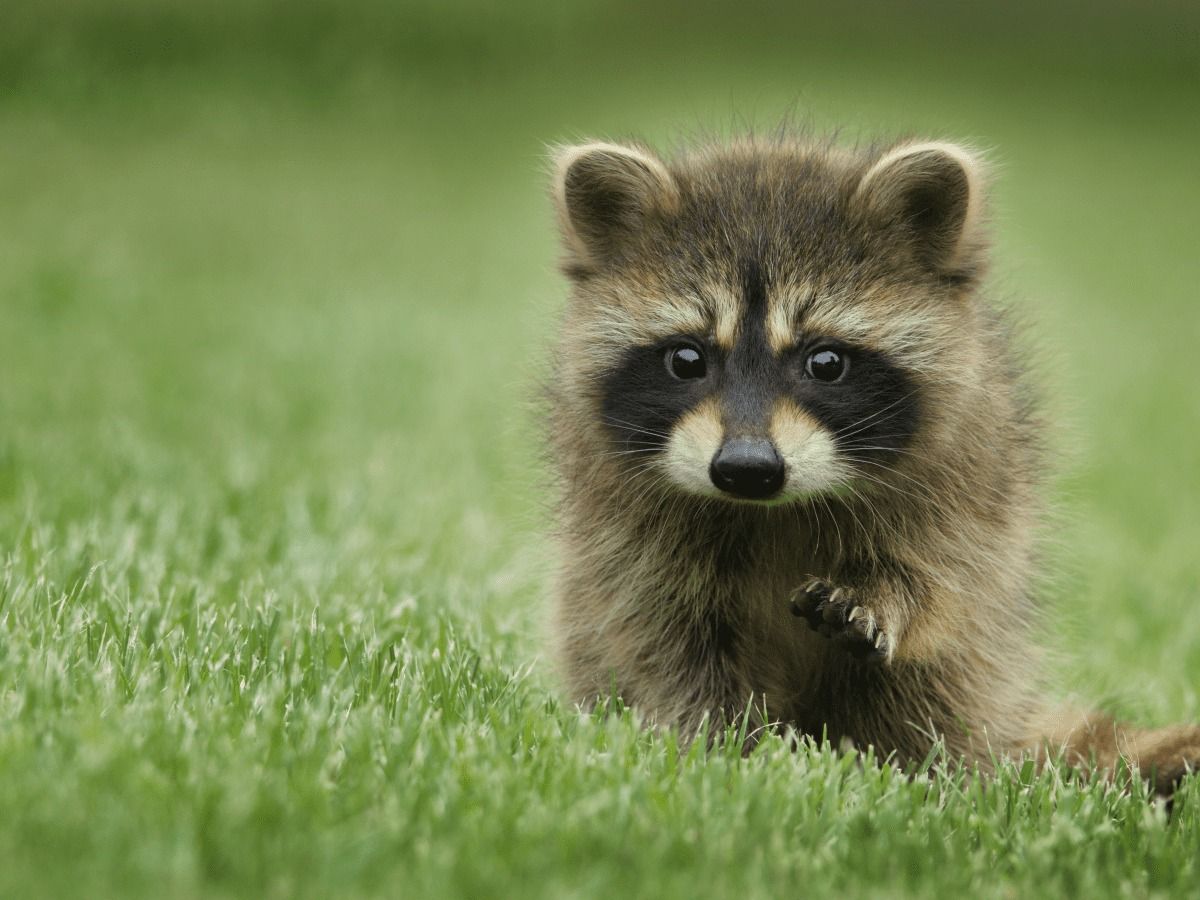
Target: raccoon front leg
<point x="866" y="623"/>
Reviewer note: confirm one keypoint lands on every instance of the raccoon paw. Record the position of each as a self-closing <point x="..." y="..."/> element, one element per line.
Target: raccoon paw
<point x="833" y="612"/>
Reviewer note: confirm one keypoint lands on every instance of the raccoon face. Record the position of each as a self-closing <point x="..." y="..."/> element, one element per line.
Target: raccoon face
<point x="762" y="325"/>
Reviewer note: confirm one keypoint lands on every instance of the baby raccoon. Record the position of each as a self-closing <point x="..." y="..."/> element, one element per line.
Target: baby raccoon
<point x="800" y="470"/>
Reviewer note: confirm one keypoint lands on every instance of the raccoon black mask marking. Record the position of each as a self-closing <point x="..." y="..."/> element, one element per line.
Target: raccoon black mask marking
<point x="869" y="408"/>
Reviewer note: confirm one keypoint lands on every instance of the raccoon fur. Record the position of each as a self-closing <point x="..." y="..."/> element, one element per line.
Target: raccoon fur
<point x="800" y="469"/>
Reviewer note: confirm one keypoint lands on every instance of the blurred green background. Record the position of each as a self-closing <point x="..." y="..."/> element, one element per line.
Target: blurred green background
<point x="276" y="279"/>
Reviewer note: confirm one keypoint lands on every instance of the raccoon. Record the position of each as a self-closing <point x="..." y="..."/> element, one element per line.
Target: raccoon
<point x="801" y="469"/>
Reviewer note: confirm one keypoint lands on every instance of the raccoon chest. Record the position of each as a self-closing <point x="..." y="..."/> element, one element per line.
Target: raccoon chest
<point x="777" y="657"/>
<point x="743" y="642"/>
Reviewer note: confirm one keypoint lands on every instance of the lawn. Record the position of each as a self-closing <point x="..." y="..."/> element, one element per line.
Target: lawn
<point x="276" y="284"/>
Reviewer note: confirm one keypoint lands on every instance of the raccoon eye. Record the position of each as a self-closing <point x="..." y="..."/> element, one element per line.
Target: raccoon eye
<point x="827" y="365"/>
<point x="685" y="362"/>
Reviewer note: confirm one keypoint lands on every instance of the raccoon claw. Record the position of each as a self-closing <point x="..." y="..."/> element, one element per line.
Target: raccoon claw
<point x="834" y="613"/>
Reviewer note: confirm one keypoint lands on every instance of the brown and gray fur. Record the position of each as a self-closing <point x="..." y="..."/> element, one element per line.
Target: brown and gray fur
<point x="884" y="594"/>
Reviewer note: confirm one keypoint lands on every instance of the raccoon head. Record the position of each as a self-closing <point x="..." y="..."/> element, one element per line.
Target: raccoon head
<point x="768" y="321"/>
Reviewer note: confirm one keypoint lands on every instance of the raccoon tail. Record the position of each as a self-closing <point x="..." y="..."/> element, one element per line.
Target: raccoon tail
<point x="1098" y="743"/>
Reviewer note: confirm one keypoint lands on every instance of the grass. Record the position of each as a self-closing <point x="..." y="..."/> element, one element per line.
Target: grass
<point x="275" y="285"/>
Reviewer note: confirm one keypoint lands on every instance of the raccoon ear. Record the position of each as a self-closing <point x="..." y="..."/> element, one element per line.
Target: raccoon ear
<point x="932" y="193"/>
<point x="604" y="194"/>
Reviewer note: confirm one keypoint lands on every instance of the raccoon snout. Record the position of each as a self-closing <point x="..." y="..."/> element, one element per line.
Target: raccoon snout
<point x="750" y="468"/>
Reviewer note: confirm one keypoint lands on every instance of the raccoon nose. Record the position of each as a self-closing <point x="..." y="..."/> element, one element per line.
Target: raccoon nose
<point x="747" y="467"/>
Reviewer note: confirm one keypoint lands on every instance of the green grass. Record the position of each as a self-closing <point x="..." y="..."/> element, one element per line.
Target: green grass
<point x="274" y="286"/>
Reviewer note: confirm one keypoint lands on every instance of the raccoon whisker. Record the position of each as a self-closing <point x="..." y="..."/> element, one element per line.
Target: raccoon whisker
<point x="640" y="429"/>
<point x="880" y="447"/>
<point x="634" y="442"/>
<point x="875" y="478"/>
<point x="637" y="407"/>
<point x="833" y="517"/>
<point x="642" y="468"/>
<point x="880" y="521"/>
<point x="812" y="514"/>
<point x="637" y="488"/>
<point x="883" y="487"/>
<point x="865" y="497"/>
<point x="926" y="491"/>
<point x="644" y="487"/>
<point x="605" y="453"/>
<point x="664" y="500"/>
<point x="846" y="432"/>
<point x="921" y="486"/>
<point x="854" y="448"/>
<point x="866" y="535"/>
<point x="877" y="520"/>
<point x="816" y="528"/>
<point x="926" y="498"/>
<point x="630" y="502"/>
<point x="667" y="501"/>
<point x="866" y="427"/>
<point x="901" y="451"/>
<point x="639" y="485"/>
<point x="632" y="473"/>
<point x="870" y="416"/>
<point x="646" y="444"/>
<point x="643" y="436"/>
